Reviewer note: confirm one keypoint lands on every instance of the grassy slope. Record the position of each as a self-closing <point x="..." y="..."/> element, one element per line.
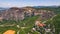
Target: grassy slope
<point x="55" y="21"/>
<point x="29" y="22"/>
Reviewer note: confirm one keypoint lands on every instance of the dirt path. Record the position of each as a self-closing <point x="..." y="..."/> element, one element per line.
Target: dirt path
<point x="50" y="19"/>
<point x="9" y="32"/>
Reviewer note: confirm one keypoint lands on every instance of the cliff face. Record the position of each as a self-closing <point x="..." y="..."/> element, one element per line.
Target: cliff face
<point x="15" y="13"/>
<point x="29" y="11"/>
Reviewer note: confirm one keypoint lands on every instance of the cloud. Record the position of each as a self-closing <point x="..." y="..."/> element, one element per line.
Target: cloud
<point x="15" y="4"/>
<point x="22" y="3"/>
<point x="9" y="5"/>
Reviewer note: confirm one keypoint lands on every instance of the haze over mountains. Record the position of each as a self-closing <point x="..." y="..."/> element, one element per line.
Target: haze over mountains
<point x="2" y="8"/>
<point x="45" y="6"/>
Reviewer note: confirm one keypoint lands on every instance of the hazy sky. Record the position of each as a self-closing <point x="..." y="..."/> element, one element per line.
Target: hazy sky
<point x="22" y="3"/>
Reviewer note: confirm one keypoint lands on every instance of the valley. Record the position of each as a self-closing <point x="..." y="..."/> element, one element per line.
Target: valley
<point x="22" y="20"/>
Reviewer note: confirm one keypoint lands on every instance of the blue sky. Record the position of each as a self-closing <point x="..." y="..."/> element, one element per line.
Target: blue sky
<point x="22" y="3"/>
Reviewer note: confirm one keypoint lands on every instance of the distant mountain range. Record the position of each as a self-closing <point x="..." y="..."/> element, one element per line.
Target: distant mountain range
<point x="1" y="8"/>
<point x="45" y="6"/>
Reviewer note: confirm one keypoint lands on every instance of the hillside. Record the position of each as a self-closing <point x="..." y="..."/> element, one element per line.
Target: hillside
<point x="15" y="13"/>
<point x="29" y="23"/>
<point x="56" y="22"/>
<point x="22" y="20"/>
